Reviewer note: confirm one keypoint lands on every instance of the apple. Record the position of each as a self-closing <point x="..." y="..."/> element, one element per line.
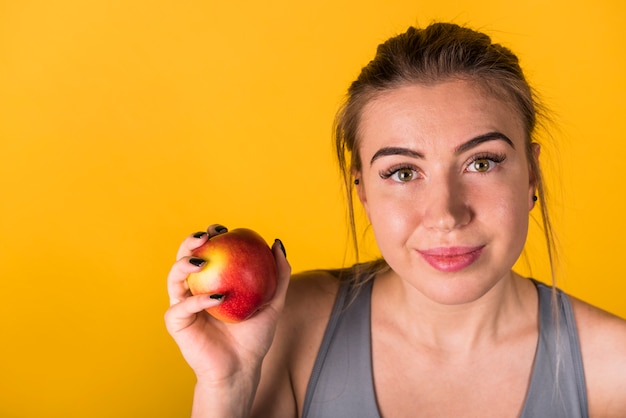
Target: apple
<point x="239" y="269"/>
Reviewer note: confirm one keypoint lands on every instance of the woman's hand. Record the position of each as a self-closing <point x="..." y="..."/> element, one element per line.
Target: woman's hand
<point x="224" y="357"/>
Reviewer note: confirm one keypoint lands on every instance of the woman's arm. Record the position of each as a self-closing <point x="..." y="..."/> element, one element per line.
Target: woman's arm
<point x="226" y="358"/>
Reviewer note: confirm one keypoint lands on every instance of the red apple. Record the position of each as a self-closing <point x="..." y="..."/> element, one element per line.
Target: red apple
<point x="239" y="266"/>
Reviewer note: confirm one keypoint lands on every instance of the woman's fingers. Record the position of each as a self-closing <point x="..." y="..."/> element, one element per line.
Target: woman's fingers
<point x="196" y="239"/>
<point x="190" y="243"/>
<point x="177" y="286"/>
<point x="183" y="314"/>
<point x="216" y="229"/>
<point x="284" y="275"/>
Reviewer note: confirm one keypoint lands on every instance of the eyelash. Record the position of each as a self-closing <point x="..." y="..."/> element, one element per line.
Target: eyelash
<point x="394" y="169"/>
<point x="497" y="159"/>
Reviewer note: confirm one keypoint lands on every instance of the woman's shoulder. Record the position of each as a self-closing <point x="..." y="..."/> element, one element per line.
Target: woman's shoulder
<point x="309" y="302"/>
<point x="311" y="291"/>
<point x="308" y="305"/>
<point x="601" y="333"/>
<point x="603" y="345"/>
<point x="312" y="294"/>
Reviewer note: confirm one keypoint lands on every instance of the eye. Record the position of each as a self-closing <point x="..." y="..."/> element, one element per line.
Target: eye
<point x="481" y="166"/>
<point x="404" y="175"/>
<point x="400" y="174"/>
<point x="484" y="163"/>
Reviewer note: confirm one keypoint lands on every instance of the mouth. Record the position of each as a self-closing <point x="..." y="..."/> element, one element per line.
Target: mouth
<point x="451" y="259"/>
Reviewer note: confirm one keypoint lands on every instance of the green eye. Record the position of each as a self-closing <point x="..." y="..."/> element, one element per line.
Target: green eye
<point x="404" y="175"/>
<point x="482" y="166"/>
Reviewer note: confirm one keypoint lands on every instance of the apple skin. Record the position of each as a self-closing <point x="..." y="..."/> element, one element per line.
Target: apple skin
<point x="241" y="267"/>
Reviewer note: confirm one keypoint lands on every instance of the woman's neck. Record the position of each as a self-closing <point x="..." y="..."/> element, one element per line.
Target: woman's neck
<point x="507" y="309"/>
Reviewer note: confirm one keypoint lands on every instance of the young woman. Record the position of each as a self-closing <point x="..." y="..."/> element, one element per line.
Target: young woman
<point x="436" y="139"/>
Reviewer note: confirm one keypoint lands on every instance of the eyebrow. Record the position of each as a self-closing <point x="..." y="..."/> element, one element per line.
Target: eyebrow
<point x="474" y="142"/>
<point x="489" y="136"/>
<point x="395" y="151"/>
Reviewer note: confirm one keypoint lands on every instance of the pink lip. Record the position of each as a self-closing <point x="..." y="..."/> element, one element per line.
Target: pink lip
<point x="451" y="259"/>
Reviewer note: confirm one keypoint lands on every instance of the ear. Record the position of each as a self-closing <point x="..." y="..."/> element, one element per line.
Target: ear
<point x="533" y="180"/>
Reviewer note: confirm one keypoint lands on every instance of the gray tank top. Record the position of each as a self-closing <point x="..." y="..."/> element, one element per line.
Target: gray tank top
<point x="341" y="384"/>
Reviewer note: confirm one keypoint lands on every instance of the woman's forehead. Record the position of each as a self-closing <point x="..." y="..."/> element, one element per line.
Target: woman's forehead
<point x="445" y="112"/>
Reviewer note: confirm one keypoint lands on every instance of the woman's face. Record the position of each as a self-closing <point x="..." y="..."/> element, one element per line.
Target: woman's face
<point x="446" y="185"/>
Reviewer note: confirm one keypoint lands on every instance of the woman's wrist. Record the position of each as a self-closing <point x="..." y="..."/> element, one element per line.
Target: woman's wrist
<point x="232" y="398"/>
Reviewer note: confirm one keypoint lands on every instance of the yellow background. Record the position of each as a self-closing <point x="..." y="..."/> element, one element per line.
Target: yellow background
<point x="125" y="125"/>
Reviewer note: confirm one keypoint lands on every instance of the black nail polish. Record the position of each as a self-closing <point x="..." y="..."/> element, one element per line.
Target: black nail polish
<point x="199" y="234"/>
<point x="220" y="229"/>
<point x="217" y="296"/>
<point x="196" y="261"/>
<point x="282" y="247"/>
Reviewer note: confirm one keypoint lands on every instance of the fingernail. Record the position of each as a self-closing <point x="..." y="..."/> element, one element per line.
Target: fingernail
<point x="220" y="229"/>
<point x="197" y="261"/>
<point x="217" y="296"/>
<point x="199" y="234"/>
<point x="281" y="246"/>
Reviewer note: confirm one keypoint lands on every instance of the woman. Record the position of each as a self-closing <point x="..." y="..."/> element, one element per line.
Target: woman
<point x="436" y="139"/>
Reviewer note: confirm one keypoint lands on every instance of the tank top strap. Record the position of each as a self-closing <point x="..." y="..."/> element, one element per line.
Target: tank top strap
<point x="557" y="387"/>
<point x="341" y="383"/>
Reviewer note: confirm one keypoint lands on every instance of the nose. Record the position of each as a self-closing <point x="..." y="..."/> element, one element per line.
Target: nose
<point x="445" y="206"/>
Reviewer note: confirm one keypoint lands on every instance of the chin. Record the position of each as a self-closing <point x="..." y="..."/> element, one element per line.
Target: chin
<point x="452" y="295"/>
<point x="457" y="288"/>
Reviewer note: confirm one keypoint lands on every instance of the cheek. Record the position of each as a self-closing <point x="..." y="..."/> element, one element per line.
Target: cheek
<point x="512" y="214"/>
<point x="506" y="198"/>
<point x="508" y="219"/>
<point x="392" y="218"/>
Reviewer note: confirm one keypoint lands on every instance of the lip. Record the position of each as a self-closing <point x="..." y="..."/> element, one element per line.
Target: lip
<point x="451" y="259"/>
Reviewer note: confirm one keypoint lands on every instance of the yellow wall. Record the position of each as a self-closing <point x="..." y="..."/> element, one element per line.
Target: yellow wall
<point x="126" y="125"/>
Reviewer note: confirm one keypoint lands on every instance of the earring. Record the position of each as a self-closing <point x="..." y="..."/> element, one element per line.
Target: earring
<point x="356" y="181"/>
<point x="535" y="198"/>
